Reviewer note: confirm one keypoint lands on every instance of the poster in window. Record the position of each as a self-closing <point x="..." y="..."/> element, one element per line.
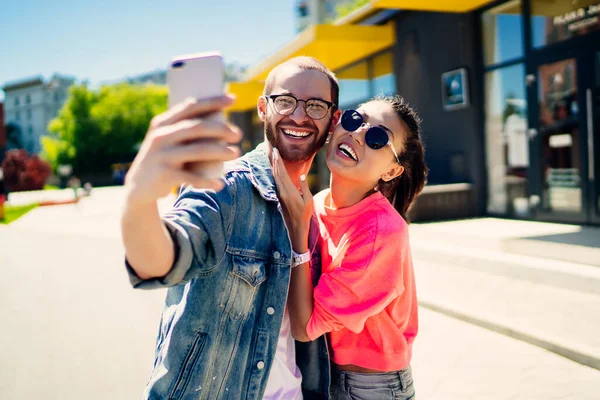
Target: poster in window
<point x="455" y="93"/>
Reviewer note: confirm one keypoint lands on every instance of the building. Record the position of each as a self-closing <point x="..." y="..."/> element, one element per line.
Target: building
<point x="509" y="93"/>
<point x="30" y="104"/>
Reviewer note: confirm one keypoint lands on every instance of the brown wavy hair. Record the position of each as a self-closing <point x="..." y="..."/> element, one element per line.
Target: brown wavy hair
<point x="403" y="190"/>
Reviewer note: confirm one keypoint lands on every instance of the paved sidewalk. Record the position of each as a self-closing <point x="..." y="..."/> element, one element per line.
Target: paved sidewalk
<point x="453" y="360"/>
<point x="561" y="242"/>
<point x="464" y="272"/>
<point x="38" y="196"/>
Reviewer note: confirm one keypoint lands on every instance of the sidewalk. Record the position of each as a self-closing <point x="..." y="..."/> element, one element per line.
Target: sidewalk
<point x="465" y="271"/>
<point x="453" y="360"/>
<point x="42" y="196"/>
<point x="563" y="242"/>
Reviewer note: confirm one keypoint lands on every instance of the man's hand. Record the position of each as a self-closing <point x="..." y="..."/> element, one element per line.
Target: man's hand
<point x="175" y="139"/>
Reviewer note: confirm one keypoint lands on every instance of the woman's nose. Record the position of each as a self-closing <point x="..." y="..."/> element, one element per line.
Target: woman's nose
<point x="358" y="135"/>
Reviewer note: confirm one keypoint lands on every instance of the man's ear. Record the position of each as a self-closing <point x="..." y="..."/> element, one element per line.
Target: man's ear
<point x="393" y="172"/>
<point x="261" y="108"/>
<point x="335" y="119"/>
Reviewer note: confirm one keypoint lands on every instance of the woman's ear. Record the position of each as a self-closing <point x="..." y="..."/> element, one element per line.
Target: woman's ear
<point x="261" y="108"/>
<point x="335" y="120"/>
<point x="393" y="172"/>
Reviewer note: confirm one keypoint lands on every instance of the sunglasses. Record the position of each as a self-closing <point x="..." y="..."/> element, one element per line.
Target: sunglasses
<point x="376" y="137"/>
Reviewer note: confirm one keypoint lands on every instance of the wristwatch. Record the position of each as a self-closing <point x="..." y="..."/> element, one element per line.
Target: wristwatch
<point x="298" y="259"/>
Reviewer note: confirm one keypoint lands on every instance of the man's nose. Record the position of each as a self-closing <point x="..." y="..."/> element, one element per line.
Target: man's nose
<point x="299" y="113"/>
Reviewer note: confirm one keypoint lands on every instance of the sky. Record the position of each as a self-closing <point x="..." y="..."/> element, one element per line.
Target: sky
<point x="103" y="41"/>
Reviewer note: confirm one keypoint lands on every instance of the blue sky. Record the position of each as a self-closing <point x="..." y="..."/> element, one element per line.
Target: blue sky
<point x="111" y="39"/>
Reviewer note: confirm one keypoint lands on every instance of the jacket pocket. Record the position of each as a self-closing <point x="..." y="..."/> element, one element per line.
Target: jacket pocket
<point x="188" y="366"/>
<point x="247" y="274"/>
<point x="250" y="269"/>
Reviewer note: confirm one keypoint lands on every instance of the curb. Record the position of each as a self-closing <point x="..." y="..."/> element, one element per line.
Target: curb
<point x="571" y="354"/>
<point x="58" y="202"/>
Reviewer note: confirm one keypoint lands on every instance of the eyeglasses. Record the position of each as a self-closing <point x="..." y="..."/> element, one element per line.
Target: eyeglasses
<point x="376" y="137"/>
<point x="285" y="104"/>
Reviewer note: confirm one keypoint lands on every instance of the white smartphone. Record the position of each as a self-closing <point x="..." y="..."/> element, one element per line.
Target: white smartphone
<point x="199" y="76"/>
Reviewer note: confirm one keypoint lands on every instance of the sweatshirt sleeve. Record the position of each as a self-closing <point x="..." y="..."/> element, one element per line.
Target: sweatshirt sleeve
<point x="362" y="282"/>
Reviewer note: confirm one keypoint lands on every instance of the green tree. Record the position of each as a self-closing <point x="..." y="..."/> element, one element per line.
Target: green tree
<point x="95" y="129"/>
<point x="347" y="7"/>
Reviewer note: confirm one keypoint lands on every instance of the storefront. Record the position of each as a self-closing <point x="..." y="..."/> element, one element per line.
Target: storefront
<point x="509" y="94"/>
<point x="542" y="103"/>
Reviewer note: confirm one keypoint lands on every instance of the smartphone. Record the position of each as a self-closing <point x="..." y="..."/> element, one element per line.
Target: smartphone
<point x="200" y="76"/>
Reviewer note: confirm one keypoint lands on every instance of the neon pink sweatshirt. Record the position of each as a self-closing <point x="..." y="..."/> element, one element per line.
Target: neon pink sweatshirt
<point x="366" y="298"/>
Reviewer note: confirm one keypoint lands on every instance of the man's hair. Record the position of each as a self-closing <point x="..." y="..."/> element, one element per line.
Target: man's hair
<point x="305" y="63"/>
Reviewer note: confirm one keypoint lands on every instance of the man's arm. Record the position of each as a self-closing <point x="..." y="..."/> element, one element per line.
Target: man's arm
<point x="171" y="143"/>
<point x="149" y="249"/>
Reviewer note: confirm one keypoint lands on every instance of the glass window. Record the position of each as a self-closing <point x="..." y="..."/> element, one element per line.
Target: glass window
<point x="561" y="136"/>
<point x="384" y="79"/>
<point x="16" y="101"/>
<point x="507" y="145"/>
<point x="553" y="21"/>
<point x="28" y="114"/>
<point x="354" y="84"/>
<point x="502" y="33"/>
<point x="18" y="116"/>
<point x="28" y="99"/>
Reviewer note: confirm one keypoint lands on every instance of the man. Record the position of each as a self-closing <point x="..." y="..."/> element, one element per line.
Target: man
<point x="224" y="250"/>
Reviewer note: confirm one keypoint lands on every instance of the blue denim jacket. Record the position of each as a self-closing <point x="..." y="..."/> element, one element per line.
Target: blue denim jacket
<point x="218" y="332"/>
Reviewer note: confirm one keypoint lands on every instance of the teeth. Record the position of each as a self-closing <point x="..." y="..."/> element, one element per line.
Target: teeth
<point x="347" y="149"/>
<point x="295" y="133"/>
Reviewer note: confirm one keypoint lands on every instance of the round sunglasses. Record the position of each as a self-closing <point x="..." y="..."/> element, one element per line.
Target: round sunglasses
<point x="375" y="137"/>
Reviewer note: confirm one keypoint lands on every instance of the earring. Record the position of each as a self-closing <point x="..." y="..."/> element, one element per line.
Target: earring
<point x="328" y="137"/>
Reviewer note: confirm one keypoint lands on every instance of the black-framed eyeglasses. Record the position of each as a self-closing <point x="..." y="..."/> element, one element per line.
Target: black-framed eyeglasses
<point x="285" y="104"/>
<point x="375" y="137"/>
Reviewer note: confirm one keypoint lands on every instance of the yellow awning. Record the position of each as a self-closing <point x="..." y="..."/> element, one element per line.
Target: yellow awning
<point x="431" y="5"/>
<point x="335" y="46"/>
<point x="246" y="94"/>
<point x="372" y="7"/>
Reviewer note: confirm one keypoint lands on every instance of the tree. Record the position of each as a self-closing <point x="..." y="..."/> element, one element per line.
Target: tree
<point x="24" y="172"/>
<point x="95" y="129"/>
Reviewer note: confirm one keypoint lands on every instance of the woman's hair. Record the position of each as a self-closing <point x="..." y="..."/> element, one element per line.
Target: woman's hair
<point x="403" y="190"/>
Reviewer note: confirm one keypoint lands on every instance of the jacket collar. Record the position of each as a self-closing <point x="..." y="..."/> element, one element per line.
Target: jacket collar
<point x="261" y="173"/>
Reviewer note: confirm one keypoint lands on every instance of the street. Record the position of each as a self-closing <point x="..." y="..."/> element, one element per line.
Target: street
<point x="73" y="328"/>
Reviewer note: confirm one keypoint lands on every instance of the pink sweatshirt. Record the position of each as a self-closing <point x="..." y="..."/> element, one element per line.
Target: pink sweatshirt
<point x="366" y="298"/>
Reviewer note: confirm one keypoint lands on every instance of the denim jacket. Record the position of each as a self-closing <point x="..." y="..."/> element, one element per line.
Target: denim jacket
<point x="228" y="291"/>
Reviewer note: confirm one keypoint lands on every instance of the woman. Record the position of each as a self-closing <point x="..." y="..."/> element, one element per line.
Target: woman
<point x="365" y="300"/>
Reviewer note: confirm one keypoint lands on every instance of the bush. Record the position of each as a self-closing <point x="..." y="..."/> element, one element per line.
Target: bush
<point x="24" y="172"/>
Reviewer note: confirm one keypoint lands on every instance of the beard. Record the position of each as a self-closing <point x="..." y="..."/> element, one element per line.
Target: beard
<point x="296" y="153"/>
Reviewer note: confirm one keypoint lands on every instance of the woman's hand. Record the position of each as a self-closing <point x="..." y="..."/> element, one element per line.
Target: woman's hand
<point x="297" y="204"/>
